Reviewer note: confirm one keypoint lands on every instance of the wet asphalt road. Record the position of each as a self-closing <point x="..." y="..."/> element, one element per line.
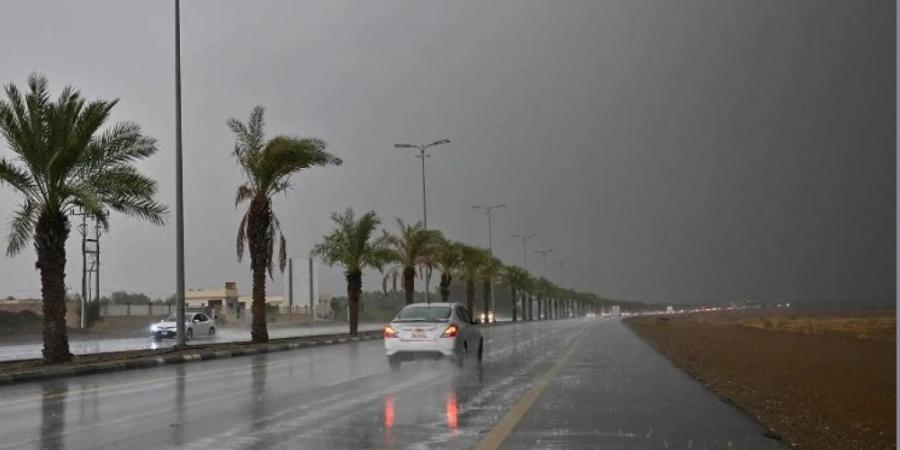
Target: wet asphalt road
<point x="604" y="388"/>
<point x="83" y="345"/>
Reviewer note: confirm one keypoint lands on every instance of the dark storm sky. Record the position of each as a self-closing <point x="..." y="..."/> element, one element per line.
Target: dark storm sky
<point x="668" y="151"/>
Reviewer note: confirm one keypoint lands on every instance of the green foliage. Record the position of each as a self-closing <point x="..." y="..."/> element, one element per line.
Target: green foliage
<point x="351" y="244"/>
<point x="414" y="245"/>
<point x="63" y="162"/>
<point x="471" y="261"/>
<point x="267" y="166"/>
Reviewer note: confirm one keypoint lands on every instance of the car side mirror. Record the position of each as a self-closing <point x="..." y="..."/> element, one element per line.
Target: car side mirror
<point x="196" y="320"/>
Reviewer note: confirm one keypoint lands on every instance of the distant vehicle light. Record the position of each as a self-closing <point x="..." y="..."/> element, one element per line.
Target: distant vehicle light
<point x="390" y="332"/>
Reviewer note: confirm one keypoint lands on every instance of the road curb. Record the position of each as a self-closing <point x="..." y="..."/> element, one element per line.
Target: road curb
<point x="44" y="373"/>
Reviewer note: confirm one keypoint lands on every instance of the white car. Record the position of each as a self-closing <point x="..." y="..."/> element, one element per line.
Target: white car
<point x="433" y="330"/>
<point x="195" y="325"/>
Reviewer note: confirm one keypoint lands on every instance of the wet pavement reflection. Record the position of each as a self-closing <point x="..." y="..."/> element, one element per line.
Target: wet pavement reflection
<point x="346" y="396"/>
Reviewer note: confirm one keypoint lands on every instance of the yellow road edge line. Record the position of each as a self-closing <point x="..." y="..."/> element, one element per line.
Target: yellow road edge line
<point x="495" y="438"/>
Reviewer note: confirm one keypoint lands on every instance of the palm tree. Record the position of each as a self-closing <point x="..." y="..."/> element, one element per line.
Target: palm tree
<point x="516" y="278"/>
<point x="471" y="260"/>
<point x="351" y="245"/>
<point x="63" y="163"/>
<point x="267" y="166"/>
<point x="490" y="267"/>
<point x="411" y="249"/>
<point x="448" y="257"/>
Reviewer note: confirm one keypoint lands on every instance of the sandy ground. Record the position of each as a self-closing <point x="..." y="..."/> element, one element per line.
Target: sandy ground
<point x="818" y="391"/>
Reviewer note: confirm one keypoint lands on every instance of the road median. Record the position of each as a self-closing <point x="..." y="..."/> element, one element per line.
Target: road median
<point x="34" y="370"/>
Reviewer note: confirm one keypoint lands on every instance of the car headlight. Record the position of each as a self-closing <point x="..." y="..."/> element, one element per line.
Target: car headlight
<point x="154" y="328"/>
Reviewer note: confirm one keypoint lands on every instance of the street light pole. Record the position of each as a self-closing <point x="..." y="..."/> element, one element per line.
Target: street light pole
<point x="422" y="154"/>
<point x="179" y="192"/>
<point x="525" y="238"/>
<point x="544" y="253"/>
<point x="489" y="210"/>
<point x="561" y="265"/>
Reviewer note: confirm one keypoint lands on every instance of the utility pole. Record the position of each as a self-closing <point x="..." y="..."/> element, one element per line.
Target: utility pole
<point x="525" y="238"/>
<point x="423" y="154"/>
<point x="96" y="260"/>
<point x="290" y="290"/>
<point x="489" y="210"/>
<point x="179" y="191"/>
<point x="312" y="300"/>
<point x="82" y="229"/>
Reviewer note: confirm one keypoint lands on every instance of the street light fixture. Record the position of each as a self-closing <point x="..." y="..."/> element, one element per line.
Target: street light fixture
<point x="562" y="264"/>
<point x="544" y="254"/>
<point x="525" y="238"/>
<point x="422" y="154"/>
<point x="489" y="210"/>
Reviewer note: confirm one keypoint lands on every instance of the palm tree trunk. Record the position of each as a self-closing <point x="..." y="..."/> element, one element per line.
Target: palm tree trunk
<point x="446" y="279"/>
<point x="258" y="238"/>
<point x="409" y="284"/>
<point x="540" y="308"/>
<point x="486" y="301"/>
<point x="515" y="300"/>
<point x="529" y="307"/>
<point x="51" y="232"/>
<point x="470" y="296"/>
<point x="354" y="288"/>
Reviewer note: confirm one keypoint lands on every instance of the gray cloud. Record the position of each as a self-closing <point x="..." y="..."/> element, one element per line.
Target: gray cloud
<point x="667" y="150"/>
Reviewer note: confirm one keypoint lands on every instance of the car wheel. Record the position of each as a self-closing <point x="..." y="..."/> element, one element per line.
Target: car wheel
<point x="480" y="350"/>
<point x="189" y="335"/>
<point x="212" y="331"/>
<point x="394" y="362"/>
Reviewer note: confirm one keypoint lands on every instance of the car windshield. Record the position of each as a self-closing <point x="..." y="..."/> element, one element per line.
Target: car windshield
<point x="173" y="318"/>
<point x="424" y="314"/>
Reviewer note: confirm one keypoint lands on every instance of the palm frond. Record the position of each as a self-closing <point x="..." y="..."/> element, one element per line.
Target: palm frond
<point x="16" y="177"/>
<point x="244" y="193"/>
<point x="241" y="237"/>
<point x="21" y="227"/>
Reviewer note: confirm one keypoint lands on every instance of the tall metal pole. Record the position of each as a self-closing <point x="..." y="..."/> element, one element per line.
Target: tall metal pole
<point x="179" y="192"/>
<point x="561" y="264"/>
<point x="425" y="222"/>
<point x="525" y="238"/>
<point x="544" y="253"/>
<point x="489" y="210"/>
<point x="424" y="198"/>
<point x="422" y="154"/>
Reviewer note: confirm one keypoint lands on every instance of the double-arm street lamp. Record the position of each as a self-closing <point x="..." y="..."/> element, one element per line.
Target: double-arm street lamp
<point x="562" y="264"/>
<point x="489" y="211"/>
<point x="423" y="149"/>
<point x="525" y="238"/>
<point x="544" y="254"/>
